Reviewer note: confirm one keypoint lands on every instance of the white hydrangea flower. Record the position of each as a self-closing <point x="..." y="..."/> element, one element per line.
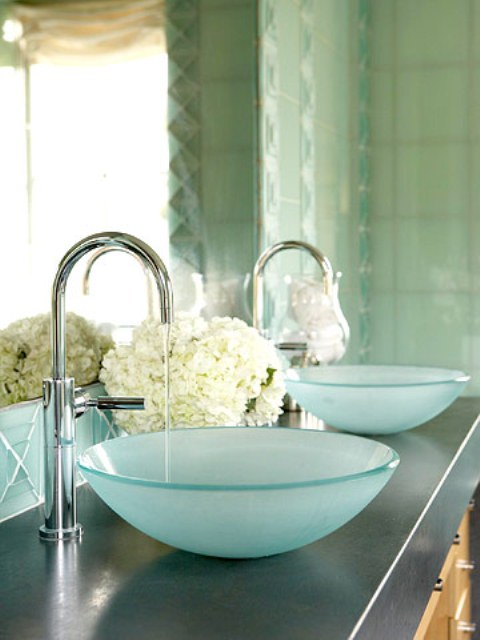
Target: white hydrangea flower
<point x="25" y="355"/>
<point x="222" y="372"/>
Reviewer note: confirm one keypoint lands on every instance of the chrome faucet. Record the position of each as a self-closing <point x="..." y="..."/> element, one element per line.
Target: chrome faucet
<point x="62" y="404"/>
<point x="323" y="330"/>
<point x="323" y="261"/>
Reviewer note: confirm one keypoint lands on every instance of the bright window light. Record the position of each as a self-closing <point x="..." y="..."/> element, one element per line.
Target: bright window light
<point x="98" y="152"/>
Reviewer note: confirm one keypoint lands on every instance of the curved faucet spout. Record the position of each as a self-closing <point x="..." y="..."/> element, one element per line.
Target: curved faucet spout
<point x="61" y="403"/>
<point x="322" y="260"/>
<point x="107" y="241"/>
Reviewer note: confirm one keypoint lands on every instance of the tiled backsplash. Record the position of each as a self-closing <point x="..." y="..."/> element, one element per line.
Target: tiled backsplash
<point x="308" y="137"/>
<point x="425" y="65"/>
<point x="394" y="131"/>
<point x="22" y="452"/>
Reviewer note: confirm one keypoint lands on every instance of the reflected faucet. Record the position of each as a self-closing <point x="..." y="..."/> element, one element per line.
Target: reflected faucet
<point x="326" y="338"/>
<point x="261" y="263"/>
<point x="107" y="249"/>
<point x="62" y="404"/>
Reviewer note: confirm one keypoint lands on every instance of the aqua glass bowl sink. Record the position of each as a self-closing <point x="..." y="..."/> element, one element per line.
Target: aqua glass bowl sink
<point x="375" y="399"/>
<point x="239" y="492"/>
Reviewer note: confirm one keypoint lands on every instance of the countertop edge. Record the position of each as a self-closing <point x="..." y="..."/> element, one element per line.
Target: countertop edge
<point x="418" y="560"/>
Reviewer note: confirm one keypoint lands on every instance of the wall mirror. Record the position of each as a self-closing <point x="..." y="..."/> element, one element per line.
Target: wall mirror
<point x="350" y="124"/>
<point x="102" y="129"/>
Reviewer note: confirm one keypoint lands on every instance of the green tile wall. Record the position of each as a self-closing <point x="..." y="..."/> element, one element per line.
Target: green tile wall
<point x="308" y="138"/>
<point x="424" y="195"/>
<point x="228" y="186"/>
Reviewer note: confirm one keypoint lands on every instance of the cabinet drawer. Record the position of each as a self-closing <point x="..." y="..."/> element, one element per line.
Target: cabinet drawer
<point x="448" y="613"/>
<point x="435" y="623"/>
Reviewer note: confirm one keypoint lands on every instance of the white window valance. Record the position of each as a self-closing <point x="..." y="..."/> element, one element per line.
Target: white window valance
<point x="92" y="31"/>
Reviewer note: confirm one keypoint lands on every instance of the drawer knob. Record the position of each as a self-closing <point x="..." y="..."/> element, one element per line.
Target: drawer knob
<point x="438" y="585"/>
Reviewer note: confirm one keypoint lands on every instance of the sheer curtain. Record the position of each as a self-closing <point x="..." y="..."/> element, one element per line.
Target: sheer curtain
<point x="91" y="32"/>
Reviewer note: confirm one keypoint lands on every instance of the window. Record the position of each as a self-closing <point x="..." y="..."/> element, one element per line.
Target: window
<point x="92" y="156"/>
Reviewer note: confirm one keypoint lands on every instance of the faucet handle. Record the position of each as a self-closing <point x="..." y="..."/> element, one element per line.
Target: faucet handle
<point x="117" y="402"/>
<point x="84" y="402"/>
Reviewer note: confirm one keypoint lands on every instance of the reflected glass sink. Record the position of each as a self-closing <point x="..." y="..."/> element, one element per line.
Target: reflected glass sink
<point x="239" y="492"/>
<point x="375" y="399"/>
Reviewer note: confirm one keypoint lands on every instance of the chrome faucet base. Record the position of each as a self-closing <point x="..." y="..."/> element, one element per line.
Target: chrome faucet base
<point x="59" y="535"/>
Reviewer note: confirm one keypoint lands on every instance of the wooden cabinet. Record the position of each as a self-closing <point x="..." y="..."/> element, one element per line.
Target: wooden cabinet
<point x="448" y="613"/>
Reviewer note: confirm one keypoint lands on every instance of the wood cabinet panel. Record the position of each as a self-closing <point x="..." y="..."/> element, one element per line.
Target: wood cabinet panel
<point x="448" y="613"/>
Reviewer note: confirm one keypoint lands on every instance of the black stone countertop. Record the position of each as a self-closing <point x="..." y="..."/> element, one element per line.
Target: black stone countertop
<point x="371" y="579"/>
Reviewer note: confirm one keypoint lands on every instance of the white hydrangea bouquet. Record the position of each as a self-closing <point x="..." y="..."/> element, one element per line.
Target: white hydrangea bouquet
<point x="25" y="355"/>
<point x="222" y="372"/>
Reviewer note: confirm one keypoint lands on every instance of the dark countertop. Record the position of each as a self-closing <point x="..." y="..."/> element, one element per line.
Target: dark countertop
<point x="370" y="579"/>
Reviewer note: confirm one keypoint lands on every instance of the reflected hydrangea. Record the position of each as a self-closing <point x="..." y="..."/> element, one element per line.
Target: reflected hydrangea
<point x="25" y="355"/>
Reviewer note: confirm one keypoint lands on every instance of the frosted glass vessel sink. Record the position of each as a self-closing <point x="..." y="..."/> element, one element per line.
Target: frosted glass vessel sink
<point x="375" y="399"/>
<point x="239" y="492"/>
